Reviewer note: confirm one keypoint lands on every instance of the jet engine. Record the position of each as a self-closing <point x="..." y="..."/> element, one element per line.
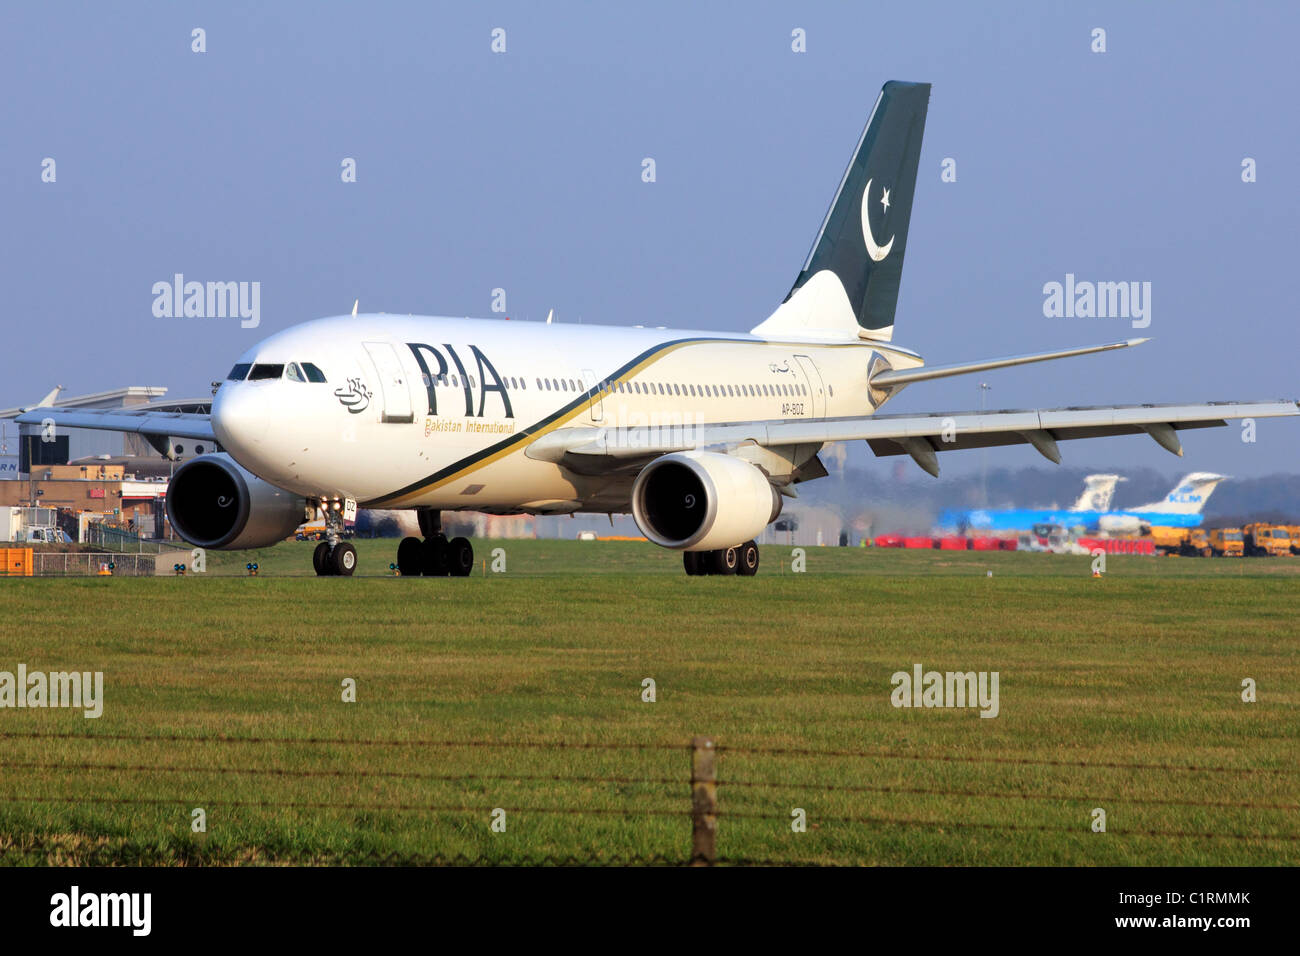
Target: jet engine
<point x="1120" y="523"/>
<point x="702" y="501"/>
<point x="214" y="503"/>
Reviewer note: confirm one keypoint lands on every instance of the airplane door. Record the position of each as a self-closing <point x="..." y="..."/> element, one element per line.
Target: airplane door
<point x="597" y="403"/>
<point x="392" y="382"/>
<point x="816" y="388"/>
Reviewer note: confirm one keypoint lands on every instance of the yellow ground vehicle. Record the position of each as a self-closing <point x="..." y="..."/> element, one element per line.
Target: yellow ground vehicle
<point x="1227" y="542"/>
<point x="1266" y="540"/>
<point x="1295" y="537"/>
<point x="1189" y="542"/>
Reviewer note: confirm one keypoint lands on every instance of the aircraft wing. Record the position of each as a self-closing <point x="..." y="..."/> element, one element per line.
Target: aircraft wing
<point x="143" y="422"/>
<point x="593" y="450"/>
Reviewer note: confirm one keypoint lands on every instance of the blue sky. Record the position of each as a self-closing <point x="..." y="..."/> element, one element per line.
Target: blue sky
<point x="522" y="171"/>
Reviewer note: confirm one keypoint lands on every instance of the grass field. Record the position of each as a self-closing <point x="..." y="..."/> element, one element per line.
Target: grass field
<point x="224" y="692"/>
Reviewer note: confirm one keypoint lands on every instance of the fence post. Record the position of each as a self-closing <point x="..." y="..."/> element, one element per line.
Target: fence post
<point x="704" y="802"/>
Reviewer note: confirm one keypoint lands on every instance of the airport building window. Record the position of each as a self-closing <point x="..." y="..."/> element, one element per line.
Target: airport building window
<point x="239" y="372"/>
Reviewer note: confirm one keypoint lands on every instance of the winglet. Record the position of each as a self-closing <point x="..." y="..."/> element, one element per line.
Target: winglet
<point x="50" y="398"/>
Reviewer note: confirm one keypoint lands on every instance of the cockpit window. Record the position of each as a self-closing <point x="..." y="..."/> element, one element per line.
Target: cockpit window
<point x="313" y="373"/>
<point x="239" y="372"/>
<point x="262" y="372"/>
<point x="293" y="373"/>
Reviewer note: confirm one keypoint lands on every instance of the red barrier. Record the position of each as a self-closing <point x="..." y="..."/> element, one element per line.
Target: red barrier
<point x="984" y="544"/>
<point x="952" y="543"/>
<point x="1007" y="544"/>
<point x="918" y="542"/>
<point x="889" y="541"/>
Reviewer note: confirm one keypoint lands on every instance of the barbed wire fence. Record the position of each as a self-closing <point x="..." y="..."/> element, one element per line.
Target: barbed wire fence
<point x="707" y="819"/>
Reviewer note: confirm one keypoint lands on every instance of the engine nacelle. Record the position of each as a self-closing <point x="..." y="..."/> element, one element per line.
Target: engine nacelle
<point x="214" y="503"/>
<point x="1119" y="523"/>
<point x="701" y="501"/>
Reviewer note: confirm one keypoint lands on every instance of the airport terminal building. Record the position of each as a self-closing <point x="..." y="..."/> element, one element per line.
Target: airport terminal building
<point x="105" y="475"/>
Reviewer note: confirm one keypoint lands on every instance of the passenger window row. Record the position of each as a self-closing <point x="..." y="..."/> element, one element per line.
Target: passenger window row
<point x="450" y="378"/>
<point x="308" y="372"/>
<point x="706" y="391"/>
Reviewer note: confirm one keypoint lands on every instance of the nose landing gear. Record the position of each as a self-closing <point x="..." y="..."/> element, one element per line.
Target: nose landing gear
<point x="334" y="556"/>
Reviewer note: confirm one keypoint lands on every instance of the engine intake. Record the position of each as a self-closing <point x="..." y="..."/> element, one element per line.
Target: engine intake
<point x="701" y="501"/>
<point x="212" y="502"/>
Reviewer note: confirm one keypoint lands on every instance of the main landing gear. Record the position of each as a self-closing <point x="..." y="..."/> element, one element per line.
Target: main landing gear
<point x="334" y="556"/>
<point x="742" y="559"/>
<point x="434" y="556"/>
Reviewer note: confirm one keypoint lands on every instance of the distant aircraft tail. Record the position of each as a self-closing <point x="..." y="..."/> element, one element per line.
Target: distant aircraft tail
<point x="848" y="286"/>
<point x="1188" y="496"/>
<point x="1097" y="493"/>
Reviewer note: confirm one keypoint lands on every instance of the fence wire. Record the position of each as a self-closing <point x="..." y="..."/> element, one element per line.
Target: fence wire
<point x="685" y="797"/>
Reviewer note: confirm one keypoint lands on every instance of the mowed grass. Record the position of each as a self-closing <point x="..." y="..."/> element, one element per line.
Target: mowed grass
<point x="224" y="692"/>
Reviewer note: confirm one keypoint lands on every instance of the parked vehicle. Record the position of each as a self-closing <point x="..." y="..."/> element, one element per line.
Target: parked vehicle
<point x="1227" y="542"/>
<point x="1266" y="540"/>
<point x="1188" y="542"/>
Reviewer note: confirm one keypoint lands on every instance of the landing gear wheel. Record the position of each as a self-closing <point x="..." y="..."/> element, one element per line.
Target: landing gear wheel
<point x="433" y="557"/>
<point x="409" y="557"/>
<point x="725" y="560"/>
<point x="460" y="557"/>
<point x="320" y="560"/>
<point x="691" y="561"/>
<point x="343" y="560"/>
<point x="748" y="559"/>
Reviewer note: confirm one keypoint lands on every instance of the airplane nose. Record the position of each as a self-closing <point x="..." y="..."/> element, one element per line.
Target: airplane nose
<point x="238" y="417"/>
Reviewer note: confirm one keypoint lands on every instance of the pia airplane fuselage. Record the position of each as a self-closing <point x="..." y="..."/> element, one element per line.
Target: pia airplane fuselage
<point x="413" y="411"/>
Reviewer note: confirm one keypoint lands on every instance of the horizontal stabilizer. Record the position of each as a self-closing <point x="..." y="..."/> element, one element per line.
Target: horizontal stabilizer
<point x="893" y="377"/>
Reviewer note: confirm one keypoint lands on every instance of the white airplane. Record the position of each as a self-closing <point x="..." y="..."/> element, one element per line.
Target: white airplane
<point x="699" y="434"/>
<point x="1098" y="490"/>
<point x="1181" y="508"/>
